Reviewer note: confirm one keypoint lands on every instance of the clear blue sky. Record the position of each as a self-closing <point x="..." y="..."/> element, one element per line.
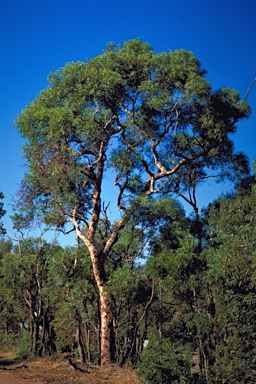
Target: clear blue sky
<point x="41" y="36"/>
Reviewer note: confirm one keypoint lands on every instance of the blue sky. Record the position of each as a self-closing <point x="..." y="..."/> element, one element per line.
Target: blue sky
<point x="37" y="37"/>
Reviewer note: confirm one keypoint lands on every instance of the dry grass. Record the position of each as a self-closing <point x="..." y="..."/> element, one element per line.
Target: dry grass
<point x="59" y="370"/>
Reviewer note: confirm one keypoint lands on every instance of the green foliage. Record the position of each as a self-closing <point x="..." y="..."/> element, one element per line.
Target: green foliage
<point x="7" y="342"/>
<point x="64" y="326"/>
<point x="231" y="260"/>
<point x="149" y="116"/>
<point x="151" y="125"/>
<point x="2" y="213"/>
<point x="12" y="288"/>
<point x="24" y="345"/>
<point x="160" y="363"/>
<point x="173" y="247"/>
<point x="122" y="281"/>
<point x="202" y="302"/>
<point x="74" y="300"/>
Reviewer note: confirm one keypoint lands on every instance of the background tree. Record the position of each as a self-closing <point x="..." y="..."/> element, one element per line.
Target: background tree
<point x="2" y="213"/>
<point x="179" y="299"/>
<point x="11" y="308"/>
<point x="231" y="273"/>
<point x="74" y="303"/>
<point x="140" y="119"/>
<point x="204" y="302"/>
<point x="23" y="280"/>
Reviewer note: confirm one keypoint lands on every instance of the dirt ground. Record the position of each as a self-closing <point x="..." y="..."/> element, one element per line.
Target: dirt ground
<point x="59" y="370"/>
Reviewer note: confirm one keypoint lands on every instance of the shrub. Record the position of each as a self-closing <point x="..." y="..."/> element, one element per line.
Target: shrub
<point x="6" y="341"/>
<point x="160" y="363"/>
<point x="24" y="345"/>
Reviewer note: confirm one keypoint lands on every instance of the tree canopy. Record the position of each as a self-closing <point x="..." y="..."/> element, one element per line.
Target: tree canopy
<point x="148" y="123"/>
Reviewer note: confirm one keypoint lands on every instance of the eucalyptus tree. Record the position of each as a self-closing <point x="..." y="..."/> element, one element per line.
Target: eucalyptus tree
<point x="131" y="118"/>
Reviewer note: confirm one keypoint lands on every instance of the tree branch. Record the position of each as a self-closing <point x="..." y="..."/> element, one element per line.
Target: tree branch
<point x="249" y="88"/>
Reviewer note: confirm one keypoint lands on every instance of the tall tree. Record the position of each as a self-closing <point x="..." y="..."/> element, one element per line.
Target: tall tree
<point x="144" y="121"/>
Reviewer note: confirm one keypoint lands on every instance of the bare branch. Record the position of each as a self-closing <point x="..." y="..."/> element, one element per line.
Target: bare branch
<point x="121" y="192"/>
<point x="131" y="259"/>
<point x="249" y="88"/>
<point x="154" y="284"/>
<point x="114" y="236"/>
<point x="132" y="149"/>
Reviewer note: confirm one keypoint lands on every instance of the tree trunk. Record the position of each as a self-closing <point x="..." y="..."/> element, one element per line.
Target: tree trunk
<point x="79" y="343"/>
<point x="107" y="342"/>
<point x="87" y="342"/>
<point x="35" y="337"/>
<point x="107" y="332"/>
<point x="107" y="345"/>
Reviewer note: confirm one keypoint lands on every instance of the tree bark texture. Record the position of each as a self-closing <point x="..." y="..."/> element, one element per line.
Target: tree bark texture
<point x="106" y="314"/>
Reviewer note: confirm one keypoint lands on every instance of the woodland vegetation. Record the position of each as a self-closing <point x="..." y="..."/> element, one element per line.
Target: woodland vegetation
<point x="146" y="285"/>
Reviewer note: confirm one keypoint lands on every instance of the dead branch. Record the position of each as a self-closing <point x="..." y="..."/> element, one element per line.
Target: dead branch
<point x="249" y="88"/>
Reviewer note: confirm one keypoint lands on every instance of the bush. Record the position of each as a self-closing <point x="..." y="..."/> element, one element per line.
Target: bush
<point x="160" y="363"/>
<point x="24" y="345"/>
<point x="6" y="341"/>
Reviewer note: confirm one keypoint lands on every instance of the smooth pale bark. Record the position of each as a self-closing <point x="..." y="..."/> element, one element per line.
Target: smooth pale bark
<point x="107" y="333"/>
<point x="106" y="315"/>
